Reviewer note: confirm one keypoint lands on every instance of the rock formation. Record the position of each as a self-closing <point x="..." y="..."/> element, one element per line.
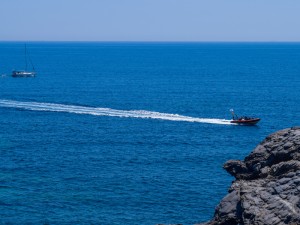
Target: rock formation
<point x="267" y="186"/>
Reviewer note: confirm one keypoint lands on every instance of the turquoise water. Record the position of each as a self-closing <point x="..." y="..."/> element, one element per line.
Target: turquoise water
<point x="134" y="133"/>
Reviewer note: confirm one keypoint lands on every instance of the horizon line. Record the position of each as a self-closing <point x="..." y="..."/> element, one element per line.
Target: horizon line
<point x="138" y="41"/>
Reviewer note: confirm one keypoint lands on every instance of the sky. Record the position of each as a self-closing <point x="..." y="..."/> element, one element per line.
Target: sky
<point x="150" y="20"/>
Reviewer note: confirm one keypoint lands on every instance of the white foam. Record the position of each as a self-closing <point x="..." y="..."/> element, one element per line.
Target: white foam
<point x="51" y="107"/>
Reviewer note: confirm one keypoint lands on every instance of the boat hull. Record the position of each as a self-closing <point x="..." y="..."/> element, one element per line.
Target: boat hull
<point x="23" y="74"/>
<point x="246" y="122"/>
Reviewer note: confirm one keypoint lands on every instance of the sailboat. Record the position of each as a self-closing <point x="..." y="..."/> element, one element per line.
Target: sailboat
<point x="25" y="73"/>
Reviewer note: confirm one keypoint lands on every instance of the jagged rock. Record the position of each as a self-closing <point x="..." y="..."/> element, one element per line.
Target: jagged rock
<point x="267" y="186"/>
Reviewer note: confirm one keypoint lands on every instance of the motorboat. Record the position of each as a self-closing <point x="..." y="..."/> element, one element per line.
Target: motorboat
<point x="244" y="120"/>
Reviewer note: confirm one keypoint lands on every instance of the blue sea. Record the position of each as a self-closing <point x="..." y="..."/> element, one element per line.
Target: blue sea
<point x="134" y="133"/>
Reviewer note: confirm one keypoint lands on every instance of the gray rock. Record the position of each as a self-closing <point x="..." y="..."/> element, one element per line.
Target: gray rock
<point x="267" y="186"/>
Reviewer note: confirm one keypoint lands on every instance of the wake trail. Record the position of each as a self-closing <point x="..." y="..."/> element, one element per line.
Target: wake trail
<point x="53" y="107"/>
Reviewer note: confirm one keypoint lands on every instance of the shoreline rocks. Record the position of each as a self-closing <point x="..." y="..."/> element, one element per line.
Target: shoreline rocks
<point x="267" y="186"/>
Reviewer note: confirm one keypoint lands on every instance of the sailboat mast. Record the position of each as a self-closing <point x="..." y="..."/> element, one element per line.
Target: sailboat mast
<point x="28" y="59"/>
<point x="25" y="58"/>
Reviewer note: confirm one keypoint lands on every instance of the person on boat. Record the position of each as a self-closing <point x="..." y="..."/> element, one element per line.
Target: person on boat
<point x="234" y="116"/>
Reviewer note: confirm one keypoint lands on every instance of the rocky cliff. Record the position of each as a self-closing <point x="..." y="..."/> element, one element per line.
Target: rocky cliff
<point x="267" y="186"/>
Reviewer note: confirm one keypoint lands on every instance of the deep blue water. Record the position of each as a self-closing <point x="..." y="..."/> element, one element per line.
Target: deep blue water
<point x="65" y="167"/>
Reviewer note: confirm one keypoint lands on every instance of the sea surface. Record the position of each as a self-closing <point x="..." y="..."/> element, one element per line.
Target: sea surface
<point x="134" y="133"/>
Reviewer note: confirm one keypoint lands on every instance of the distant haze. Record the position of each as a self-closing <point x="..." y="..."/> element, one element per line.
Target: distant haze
<point x="150" y="20"/>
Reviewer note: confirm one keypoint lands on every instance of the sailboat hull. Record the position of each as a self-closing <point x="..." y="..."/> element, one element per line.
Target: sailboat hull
<point x="23" y="74"/>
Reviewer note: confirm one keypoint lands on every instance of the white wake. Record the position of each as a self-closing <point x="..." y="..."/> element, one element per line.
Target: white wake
<point x="51" y="107"/>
